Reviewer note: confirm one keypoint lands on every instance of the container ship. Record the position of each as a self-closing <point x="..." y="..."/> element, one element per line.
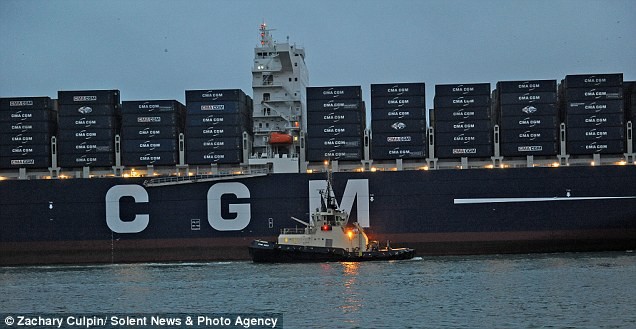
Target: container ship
<point x="526" y="166"/>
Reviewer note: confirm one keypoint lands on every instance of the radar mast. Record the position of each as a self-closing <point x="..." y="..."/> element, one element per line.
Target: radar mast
<point x="279" y="81"/>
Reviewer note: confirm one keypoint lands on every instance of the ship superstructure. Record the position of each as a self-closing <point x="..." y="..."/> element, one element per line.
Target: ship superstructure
<point x="279" y="79"/>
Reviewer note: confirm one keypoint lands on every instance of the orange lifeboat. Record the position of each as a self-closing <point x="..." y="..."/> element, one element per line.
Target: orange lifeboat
<point x="280" y="138"/>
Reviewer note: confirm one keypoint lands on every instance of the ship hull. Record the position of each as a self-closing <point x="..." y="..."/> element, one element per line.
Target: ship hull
<point x="267" y="252"/>
<point x="436" y="212"/>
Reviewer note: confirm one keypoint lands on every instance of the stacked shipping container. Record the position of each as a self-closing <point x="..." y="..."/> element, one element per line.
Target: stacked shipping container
<point x="528" y="117"/>
<point x="592" y="109"/>
<point x="88" y="122"/>
<point x="398" y="121"/>
<point x="215" y="123"/>
<point x="463" y="120"/>
<point x="150" y="132"/>
<point x="629" y="100"/>
<point x="26" y="127"/>
<point x="335" y="123"/>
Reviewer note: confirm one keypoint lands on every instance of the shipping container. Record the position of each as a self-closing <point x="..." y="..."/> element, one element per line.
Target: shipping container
<point x="453" y="113"/>
<point x="462" y="89"/>
<point x="517" y="110"/>
<point x="155" y="132"/>
<point x="594" y="107"/>
<point x="147" y="145"/>
<point x="527" y="135"/>
<point x="25" y="162"/>
<point x="633" y="109"/>
<point x="34" y="150"/>
<point x="463" y="126"/>
<point x="223" y="95"/>
<point x="27" y="126"/>
<point x="595" y="133"/>
<point x="399" y="138"/>
<point x="341" y="154"/>
<point x="528" y="98"/>
<point x="100" y="159"/>
<point x="398" y="102"/>
<point x="150" y="158"/>
<point x="629" y="87"/>
<point x="398" y="152"/>
<point x="209" y="144"/>
<point x="75" y="122"/>
<point x="78" y="147"/>
<point x="591" y="147"/>
<point x="19" y="115"/>
<point x="334" y="92"/>
<point x="597" y="93"/>
<point x="465" y="138"/>
<point x="199" y="108"/>
<point x="18" y="138"/>
<point x="530" y="121"/>
<point x="530" y="148"/>
<point x="151" y="120"/>
<point x="209" y="157"/>
<point x="334" y="142"/>
<point x="218" y="119"/>
<point x="334" y="105"/>
<point x="152" y="106"/>
<point x="393" y="126"/>
<point x="398" y="113"/>
<point x="334" y="117"/>
<point x="524" y="86"/>
<point x="456" y="152"/>
<point x="88" y="97"/>
<point x="593" y="80"/>
<point x="398" y="89"/>
<point x="462" y="101"/>
<point x="594" y="120"/>
<point x="343" y="130"/>
<point x="23" y="103"/>
<point x="82" y="134"/>
<point x="89" y="110"/>
<point x="213" y="131"/>
<point x="629" y="95"/>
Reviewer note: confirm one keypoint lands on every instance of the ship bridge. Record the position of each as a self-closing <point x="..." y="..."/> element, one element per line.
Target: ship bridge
<point x="279" y="79"/>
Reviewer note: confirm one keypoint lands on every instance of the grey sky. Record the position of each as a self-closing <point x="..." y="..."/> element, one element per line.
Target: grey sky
<point x="157" y="49"/>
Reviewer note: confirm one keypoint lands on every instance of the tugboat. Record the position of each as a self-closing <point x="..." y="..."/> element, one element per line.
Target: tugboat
<point x="327" y="237"/>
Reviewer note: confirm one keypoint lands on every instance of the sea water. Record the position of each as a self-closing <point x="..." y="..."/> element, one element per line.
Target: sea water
<point x="573" y="290"/>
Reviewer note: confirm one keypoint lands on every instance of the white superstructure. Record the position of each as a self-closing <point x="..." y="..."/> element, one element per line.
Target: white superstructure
<point x="279" y="79"/>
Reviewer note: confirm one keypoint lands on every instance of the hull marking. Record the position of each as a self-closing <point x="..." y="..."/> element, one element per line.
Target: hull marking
<point x="548" y="199"/>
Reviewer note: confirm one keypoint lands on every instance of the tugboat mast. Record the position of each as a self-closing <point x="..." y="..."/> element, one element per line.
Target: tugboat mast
<point x="331" y="202"/>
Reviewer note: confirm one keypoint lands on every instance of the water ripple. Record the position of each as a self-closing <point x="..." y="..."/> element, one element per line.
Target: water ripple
<point x="500" y="291"/>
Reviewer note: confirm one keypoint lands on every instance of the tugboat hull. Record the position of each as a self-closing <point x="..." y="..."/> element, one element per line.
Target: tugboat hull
<point x="268" y="252"/>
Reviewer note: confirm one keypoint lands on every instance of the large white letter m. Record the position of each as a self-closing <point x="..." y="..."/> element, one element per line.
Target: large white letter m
<point x="356" y="190"/>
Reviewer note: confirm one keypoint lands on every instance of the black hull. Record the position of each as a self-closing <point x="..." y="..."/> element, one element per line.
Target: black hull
<point x="267" y="252"/>
<point x="437" y="212"/>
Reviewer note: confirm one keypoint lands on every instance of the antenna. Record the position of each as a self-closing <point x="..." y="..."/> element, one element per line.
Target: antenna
<point x="266" y="37"/>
